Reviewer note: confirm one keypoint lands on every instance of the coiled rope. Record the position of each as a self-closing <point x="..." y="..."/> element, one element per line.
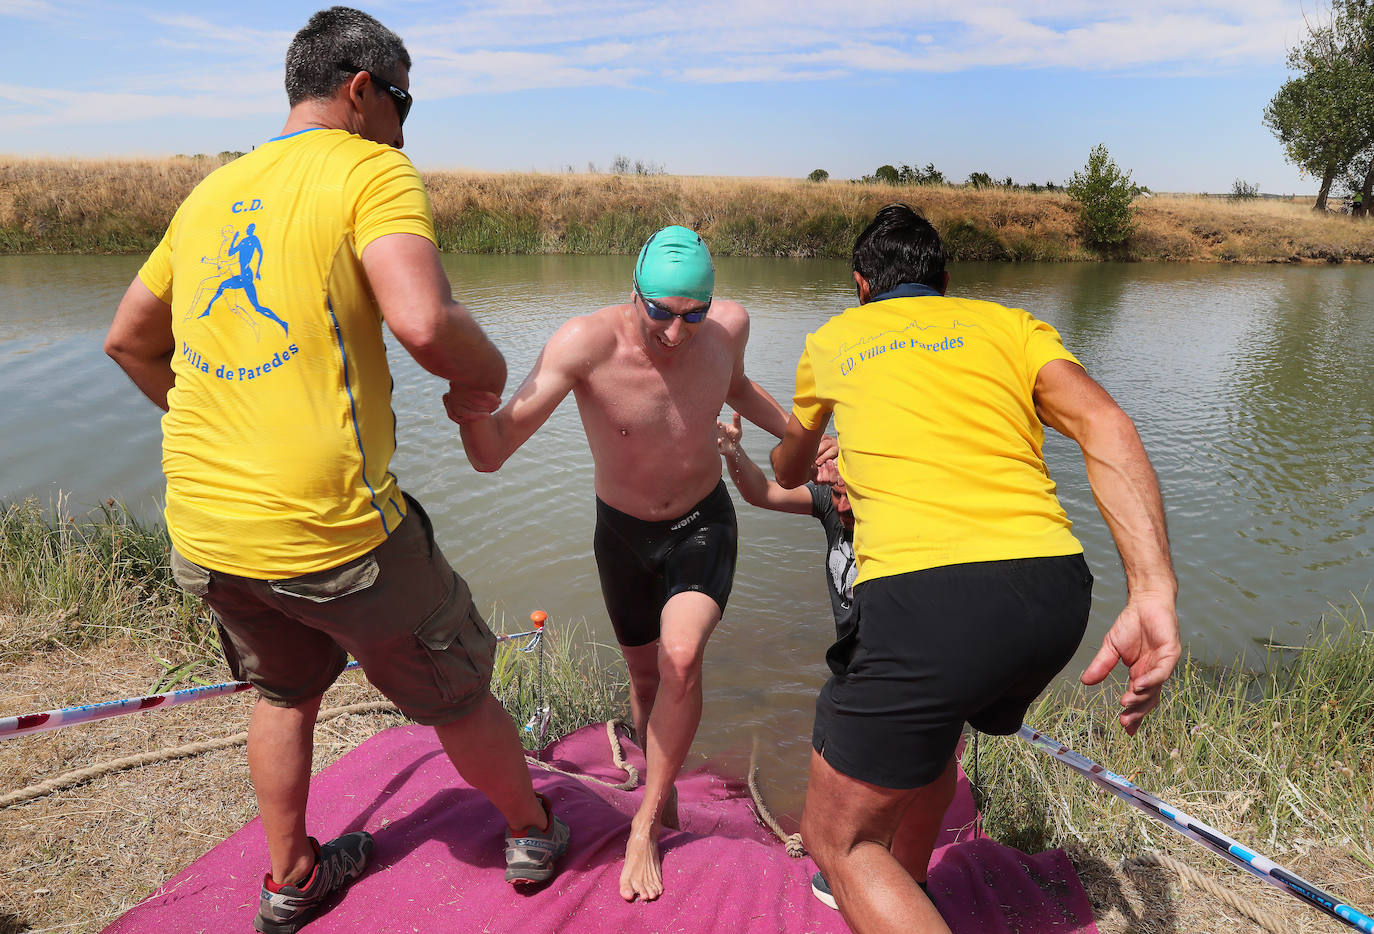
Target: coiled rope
<point x="1153" y="859"/>
<point x="792" y="842"/>
<point x="77" y="776"/>
<point x="617" y="757"/>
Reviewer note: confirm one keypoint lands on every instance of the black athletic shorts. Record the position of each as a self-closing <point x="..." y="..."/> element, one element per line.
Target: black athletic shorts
<point x="642" y="564"/>
<point x="934" y="649"/>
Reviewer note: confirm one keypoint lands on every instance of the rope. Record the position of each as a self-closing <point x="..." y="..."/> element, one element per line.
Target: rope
<point x="1187" y="873"/>
<point x="791" y="842"/>
<point x="78" y="776"/>
<point x="617" y="757"/>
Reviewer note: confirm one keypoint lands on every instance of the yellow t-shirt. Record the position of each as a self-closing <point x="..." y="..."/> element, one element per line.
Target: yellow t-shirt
<point x="279" y="434"/>
<point x="940" y="445"/>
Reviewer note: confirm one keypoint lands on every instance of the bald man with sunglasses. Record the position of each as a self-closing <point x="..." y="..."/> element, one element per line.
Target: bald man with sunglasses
<point x="650" y="377"/>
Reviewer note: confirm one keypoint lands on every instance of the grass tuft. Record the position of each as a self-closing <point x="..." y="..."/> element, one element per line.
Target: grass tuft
<point x="77" y="583"/>
<point x="1281" y="758"/>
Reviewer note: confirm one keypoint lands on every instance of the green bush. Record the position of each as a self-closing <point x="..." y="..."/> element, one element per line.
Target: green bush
<point x="818" y="175"/>
<point x="1241" y="190"/>
<point x="1104" y="194"/>
<point x="887" y="174"/>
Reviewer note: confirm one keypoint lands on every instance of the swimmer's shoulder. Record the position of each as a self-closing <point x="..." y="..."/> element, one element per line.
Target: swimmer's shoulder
<point x="587" y="339"/>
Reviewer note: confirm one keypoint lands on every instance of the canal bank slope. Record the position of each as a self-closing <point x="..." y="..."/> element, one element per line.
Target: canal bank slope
<point x="1281" y="758"/>
<point x="90" y="206"/>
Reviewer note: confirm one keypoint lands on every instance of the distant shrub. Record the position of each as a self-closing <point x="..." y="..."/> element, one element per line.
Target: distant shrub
<point x="887" y="174"/>
<point x="980" y="180"/>
<point x="1104" y="194"/>
<point x="906" y="175"/>
<point x="1241" y="190"/>
<point x="818" y="175"/>
<point x="621" y="165"/>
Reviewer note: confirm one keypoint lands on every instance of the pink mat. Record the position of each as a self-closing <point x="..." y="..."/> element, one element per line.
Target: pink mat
<point x="438" y="863"/>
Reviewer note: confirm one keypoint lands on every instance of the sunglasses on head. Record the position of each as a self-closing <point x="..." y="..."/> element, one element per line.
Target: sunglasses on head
<point x="659" y="313"/>
<point x="402" y="99"/>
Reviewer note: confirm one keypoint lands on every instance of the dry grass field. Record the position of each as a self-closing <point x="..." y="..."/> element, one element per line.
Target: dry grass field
<point x="90" y="206"/>
<point x="1282" y="760"/>
<point x="76" y="859"/>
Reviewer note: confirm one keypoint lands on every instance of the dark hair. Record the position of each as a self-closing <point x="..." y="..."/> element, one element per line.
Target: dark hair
<point x="335" y="45"/>
<point x="899" y="246"/>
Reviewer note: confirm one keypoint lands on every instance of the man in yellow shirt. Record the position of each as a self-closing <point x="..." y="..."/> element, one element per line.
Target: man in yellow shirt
<point x="972" y="591"/>
<point x="283" y="512"/>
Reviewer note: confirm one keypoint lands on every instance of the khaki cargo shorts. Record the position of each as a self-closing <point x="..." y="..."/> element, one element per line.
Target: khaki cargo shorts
<point x="400" y="610"/>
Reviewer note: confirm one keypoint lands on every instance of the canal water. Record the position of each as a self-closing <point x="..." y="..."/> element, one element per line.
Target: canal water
<point x="1251" y="387"/>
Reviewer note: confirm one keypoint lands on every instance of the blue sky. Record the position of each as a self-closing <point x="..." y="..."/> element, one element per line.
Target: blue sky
<point x="719" y="87"/>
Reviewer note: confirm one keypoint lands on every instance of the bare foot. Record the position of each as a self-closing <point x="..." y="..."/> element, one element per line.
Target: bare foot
<point x="642" y="876"/>
<point x="670" y="818"/>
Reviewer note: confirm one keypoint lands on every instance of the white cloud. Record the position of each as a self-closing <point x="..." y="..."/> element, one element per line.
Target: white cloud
<point x="28" y="9"/>
<point x="533" y="44"/>
<point x="512" y="45"/>
<point x="39" y="107"/>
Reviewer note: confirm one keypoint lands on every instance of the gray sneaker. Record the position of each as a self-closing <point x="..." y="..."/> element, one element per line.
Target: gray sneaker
<point x="337" y="863"/>
<point x="821" y="889"/>
<point x="530" y="853"/>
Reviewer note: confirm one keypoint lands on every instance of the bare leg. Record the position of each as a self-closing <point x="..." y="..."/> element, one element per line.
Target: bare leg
<point x="485" y="749"/>
<point x="281" y="741"/>
<point x="688" y="620"/>
<point x="642" y="662"/>
<point x="848" y="826"/>
<point x="920" y="825"/>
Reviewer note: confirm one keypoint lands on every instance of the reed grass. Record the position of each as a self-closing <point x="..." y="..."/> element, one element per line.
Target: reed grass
<point x="75" y="583"/>
<point x="93" y="206"/>
<point x="1280" y="758"/>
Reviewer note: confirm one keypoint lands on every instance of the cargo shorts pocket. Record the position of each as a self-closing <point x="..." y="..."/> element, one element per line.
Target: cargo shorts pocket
<point x="323" y="586"/>
<point x="190" y="577"/>
<point x="460" y="647"/>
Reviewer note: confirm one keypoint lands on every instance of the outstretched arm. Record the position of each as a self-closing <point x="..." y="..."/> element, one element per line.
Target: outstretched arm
<point x="750" y="479"/>
<point x="489" y="441"/>
<point x="752" y="401"/>
<point x="747" y="397"/>
<point x="140" y="341"/>
<point x="417" y="303"/>
<point x="1144" y="637"/>
<point x="795" y="456"/>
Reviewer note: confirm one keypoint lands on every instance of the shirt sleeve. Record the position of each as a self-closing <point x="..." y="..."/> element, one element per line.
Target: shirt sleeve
<point x="389" y="198"/>
<point x="807" y="405"/>
<point x="1043" y="344"/>
<point x="820" y="498"/>
<point x="156" y="272"/>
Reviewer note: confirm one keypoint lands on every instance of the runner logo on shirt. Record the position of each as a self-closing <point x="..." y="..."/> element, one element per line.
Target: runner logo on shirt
<point x="241" y="250"/>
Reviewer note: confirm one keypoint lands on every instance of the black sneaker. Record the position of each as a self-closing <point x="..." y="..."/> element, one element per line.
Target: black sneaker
<point x="337" y="863"/>
<point x="821" y="889"/>
<point x="530" y="853"/>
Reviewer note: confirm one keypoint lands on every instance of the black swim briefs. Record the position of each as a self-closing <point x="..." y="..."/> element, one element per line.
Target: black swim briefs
<point x="642" y="564"/>
<point x="934" y="649"/>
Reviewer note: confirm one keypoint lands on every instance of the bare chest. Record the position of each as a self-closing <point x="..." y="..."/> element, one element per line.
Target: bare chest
<point x="634" y="402"/>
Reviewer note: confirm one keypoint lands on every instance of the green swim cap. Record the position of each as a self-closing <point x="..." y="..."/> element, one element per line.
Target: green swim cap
<point x="675" y="261"/>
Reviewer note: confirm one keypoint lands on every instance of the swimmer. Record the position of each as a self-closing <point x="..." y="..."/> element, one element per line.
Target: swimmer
<point x="650" y="377"/>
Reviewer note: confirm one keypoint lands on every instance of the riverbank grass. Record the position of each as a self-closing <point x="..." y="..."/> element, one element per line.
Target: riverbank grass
<point x="1280" y="758"/>
<point x="69" y="584"/>
<point x="94" y="206"/>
